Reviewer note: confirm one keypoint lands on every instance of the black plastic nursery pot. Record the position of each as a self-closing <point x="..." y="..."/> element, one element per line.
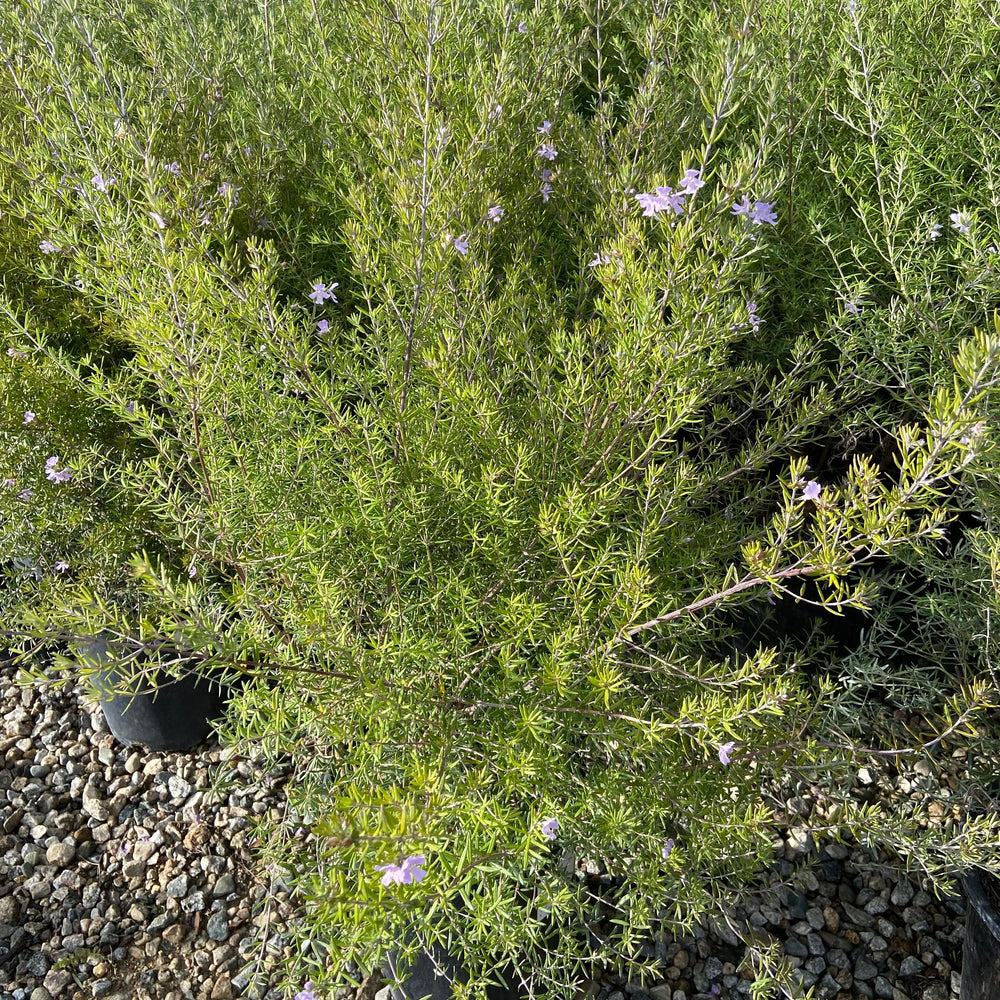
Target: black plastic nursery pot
<point x="981" y="951"/>
<point x="158" y="712"/>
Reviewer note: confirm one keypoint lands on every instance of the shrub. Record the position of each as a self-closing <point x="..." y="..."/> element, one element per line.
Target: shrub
<point x="478" y="456"/>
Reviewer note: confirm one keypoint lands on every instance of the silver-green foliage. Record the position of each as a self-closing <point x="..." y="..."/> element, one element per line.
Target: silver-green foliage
<point x="486" y="535"/>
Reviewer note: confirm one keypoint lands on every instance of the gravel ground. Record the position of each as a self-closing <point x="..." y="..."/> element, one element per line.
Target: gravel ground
<point x="128" y="875"/>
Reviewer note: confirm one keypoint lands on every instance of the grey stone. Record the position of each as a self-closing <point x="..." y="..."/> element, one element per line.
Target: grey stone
<point x="864" y="969"/>
<point x="101" y="988"/>
<point x="218" y="926"/>
<point x="224" y="885"/>
<point x="10" y="912"/>
<point x="911" y="966"/>
<point x="883" y="988"/>
<point x="38" y="964"/>
<point x="177" y="887"/>
<point x="793" y="946"/>
<point x="179" y="788"/>
<point x="903" y="893"/>
<point x="40" y="993"/>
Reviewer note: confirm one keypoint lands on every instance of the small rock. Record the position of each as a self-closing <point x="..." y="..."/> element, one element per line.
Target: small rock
<point x="60" y="854"/>
<point x="903" y="893"/>
<point x="174" y="934"/>
<point x="94" y="804"/>
<point x="40" y="993"/>
<point x="10" y="912"/>
<point x="38" y="964"/>
<point x="223" y="988"/>
<point x="863" y="969"/>
<point x="224" y="885"/>
<point x="911" y="966"/>
<point x="179" y="788"/>
<point x="177" y="887"/>
<point x="218" y="926"/>
<point x="134" y="763"/>
<point x="101" y="988"/>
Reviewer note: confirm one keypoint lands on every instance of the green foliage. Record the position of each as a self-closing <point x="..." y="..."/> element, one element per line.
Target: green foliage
<point x="485" y="538"/>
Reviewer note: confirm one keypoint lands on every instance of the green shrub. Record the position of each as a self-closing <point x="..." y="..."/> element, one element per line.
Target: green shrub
<point x="486" y="520"/>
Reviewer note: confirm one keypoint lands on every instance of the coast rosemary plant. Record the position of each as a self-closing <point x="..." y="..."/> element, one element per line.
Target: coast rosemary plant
<point x="465" y="372"/>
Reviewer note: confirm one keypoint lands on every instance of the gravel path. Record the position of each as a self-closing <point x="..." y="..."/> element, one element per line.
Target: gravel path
<point x="128" y="875"/>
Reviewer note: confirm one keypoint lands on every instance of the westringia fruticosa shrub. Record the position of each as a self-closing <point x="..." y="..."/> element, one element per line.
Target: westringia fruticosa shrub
<point x="467" y="371"/>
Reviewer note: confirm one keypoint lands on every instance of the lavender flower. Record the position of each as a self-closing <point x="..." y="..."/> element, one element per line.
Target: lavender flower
<point x="323" y="326"/>
<point x="321" y="292"/>
<point x="935" y="231"/>
<point x="50" y="470"/>
<point x="549" y="827"/>
<point x="546" y="191"/>
<point x="599" y="259"/>
<point x="960" y="221"/>
<point x="158" y="219"/>
<point x="692" y="181"/>
<point x="495" y="213"/>
<point x="28" y="416"/>
<point x="667" y="848"/>
<point x="462" y="244"/>
<point x="544" y="127"/>
<point x="724" y="751"/>
<point x="852" y="306"/>
<point x="743" y="208"/>
<point x="668" y="199"/>
<point x="763" y="212"/>
<point x="548" y="151"/>
<point x="61" y="566"/>
<point x="754" y="319"/>
<point x="522" y="27"/>
<point x="47" y="247"/>
<point x="405" y="873"/>
<point x="307" y="993"/>
<point x="100" y="183"/>
<point x="174" y="168"/>
<point x="811" y="491"/>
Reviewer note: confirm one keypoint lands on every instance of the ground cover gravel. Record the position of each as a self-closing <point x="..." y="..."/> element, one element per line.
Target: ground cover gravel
<point x="129" y="875"/>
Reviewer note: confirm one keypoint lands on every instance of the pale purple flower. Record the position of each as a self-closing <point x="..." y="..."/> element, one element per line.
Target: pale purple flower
<point x="130" y="409"/>
<point x="47" y="246"/>
<point x="599" y="259"/>
<point x="100" y="183"/>
<point x="495" y="213"/>
<point x="960" y="221"/>
<point x="174" y="168"/>
<point x="667" y="848"/>
<point x="546" y="191"/>
<point x="763" y="212"/>
<point x="50" y="471"/>
<point x="852" y="306"/>
<point x="225" y="188"/>
<point x="9" y="482"/>
<point x="462" y="244"/>
<point x="754" y="319"/>
<point x="811" y="491"/>
<point x="724" y="751"/>
<point x="545" y="174"/>
<point x="61" y="566"/>
<point x="323" y="326"/>
<point x="692" y="181"/>
<point x="744" y="207"/>
<point x="192" y="571"/>
<point x="25" y="495"/>
<point x="28" y="416"/>
<point x="321" y="292"/>
<point x="522" y="27"/>
<point x="158" y="219"/>
<point x="307" y="993"/>
<point x="548" y="151"/>
<point x="649" y="203"/>
<point x="549" y="827"/>
<point x="669" y="199"/>
<point x="935" y="231"/>
<point x="405" y="873"/>
<point x="544" y="127"/>
<point x="79" y="283"/>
